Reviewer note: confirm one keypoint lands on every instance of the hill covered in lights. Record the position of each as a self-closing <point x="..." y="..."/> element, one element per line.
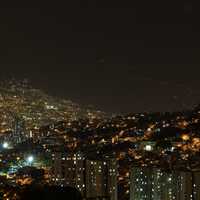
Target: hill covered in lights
<point x="20" y="101"/>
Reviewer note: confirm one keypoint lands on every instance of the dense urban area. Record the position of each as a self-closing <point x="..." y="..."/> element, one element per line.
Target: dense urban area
<point x="47" y="141"/>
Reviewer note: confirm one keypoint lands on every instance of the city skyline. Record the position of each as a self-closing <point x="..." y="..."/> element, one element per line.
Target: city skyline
<point x="99" y="100"/>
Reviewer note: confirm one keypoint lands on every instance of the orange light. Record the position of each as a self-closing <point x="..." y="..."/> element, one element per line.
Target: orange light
<point x="185" y="137"/>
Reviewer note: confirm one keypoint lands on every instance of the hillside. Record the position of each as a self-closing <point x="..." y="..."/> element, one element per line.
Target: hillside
<point x="19" y="101"/>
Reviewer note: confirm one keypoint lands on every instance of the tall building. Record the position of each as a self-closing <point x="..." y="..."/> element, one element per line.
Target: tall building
<point x="68" y="170"/>
<point x="18" y="134"/>
<point x="140" y="188"/>
<point x="95" y="179"/>
<point x="112" y="179"/>
<point x="189" y="184"/>
<point x="158" y="184"/>
<point x="101" y="179"/>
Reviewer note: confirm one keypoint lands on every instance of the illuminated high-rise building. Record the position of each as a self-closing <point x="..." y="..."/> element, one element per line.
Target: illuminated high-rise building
<point x="159" y="184"/>
<point x="93" y="178"/>
<point x="18" y="135"/>
<point x="189" y="185"/>
<point x="101" y="179"/>
<point x="69" y="169"/>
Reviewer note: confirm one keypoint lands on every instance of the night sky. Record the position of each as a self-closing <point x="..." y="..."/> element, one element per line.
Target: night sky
<point x="119" y="57"/>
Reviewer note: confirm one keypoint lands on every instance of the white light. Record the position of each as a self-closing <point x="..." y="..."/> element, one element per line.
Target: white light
<point x="5" y="145"/>
<point x="30" y="159"/>
<point x="148" y="148"/>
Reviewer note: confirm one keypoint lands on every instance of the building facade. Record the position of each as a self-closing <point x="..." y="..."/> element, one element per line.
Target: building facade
<point x="158" y="184"/>
<point x="95" y="179"/>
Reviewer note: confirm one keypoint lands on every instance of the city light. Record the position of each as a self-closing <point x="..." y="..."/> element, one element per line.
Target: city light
<point x="185" y="137"/>
<point x="30" y="159"/>
<point x="5" y="145"/>
<point x="148" y="148"/>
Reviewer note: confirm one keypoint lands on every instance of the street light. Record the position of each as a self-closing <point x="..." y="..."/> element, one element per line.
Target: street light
<point x="5" y="145"/>
<point x="148" y="147"/>
<point x="30" y="159"/>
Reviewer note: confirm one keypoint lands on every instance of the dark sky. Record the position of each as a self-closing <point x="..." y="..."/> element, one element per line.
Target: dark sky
<point x="120" y="57"/>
